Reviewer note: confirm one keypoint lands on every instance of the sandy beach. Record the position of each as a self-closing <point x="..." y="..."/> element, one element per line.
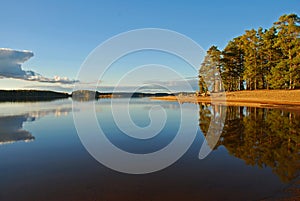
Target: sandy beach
<point x="282" y="99"/>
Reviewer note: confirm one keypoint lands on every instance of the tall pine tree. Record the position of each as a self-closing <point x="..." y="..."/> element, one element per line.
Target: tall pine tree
<point x="209" y="73"/>
<point x="261" y="59"/>
<point x="289" y="44"/>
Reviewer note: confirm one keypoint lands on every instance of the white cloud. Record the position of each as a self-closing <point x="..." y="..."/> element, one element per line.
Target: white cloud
<point x="11" y="67"/>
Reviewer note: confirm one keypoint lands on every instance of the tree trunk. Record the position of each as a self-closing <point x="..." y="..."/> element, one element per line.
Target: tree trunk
<point x="291" y="69"/>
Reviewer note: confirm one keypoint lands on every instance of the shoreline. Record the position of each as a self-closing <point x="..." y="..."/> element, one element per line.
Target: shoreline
<point x="281" y="99"/>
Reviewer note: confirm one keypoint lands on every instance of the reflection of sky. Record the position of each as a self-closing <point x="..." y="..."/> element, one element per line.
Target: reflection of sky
<point x="14" y="115"/>
<point x="139" y="111"/>
<point x="57" y="162"/>
<point x="34" y="108"/>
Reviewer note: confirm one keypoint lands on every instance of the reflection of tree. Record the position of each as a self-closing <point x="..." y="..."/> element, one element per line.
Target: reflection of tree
<point x="263" y="137"/>
<point x="211" y="122"/>
<point x="204" y="118"/>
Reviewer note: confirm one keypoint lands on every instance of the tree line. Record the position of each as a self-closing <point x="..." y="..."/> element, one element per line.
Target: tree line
<point x="258" y="59"/>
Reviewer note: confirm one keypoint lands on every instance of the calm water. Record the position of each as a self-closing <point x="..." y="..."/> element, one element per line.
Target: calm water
<point x="42" y="158"/>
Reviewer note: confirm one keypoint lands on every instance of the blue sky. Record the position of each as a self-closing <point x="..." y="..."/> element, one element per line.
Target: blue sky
<point x="62" y="33"/>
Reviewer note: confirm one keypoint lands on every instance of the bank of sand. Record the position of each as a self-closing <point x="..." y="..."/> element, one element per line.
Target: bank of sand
<point x="282" y="99"/>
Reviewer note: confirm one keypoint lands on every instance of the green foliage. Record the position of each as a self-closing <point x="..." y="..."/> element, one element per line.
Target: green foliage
<point x="232" y="65"/>
<point x="209" y="72"/>
<point x="259" y="59"/>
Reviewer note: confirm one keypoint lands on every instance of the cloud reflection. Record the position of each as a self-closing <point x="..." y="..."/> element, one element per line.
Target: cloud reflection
<point x="11" y="126"/>
<point x="11" y="129"/>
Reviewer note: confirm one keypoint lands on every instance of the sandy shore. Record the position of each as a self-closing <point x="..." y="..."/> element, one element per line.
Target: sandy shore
<point x="283" y="99"/>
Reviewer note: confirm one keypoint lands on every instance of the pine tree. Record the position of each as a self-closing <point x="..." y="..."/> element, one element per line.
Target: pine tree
<point x="233" y="65"/>
<point x="289" y="43"/>
<point x="252" y="59"/>
<point x="271" y="55"/>
<point x="261" y="59"/>
<point x="209" y="73"/>
<point x="261" y="53"/>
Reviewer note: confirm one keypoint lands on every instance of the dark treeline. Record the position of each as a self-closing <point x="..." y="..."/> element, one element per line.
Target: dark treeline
<point x="79" y="95"/>
<point x="260" y="136"/>
<point x="30" y="95"/>
<point x="259" y="59"/>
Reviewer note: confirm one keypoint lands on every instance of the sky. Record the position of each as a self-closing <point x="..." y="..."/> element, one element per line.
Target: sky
<point x="59" y="35"/>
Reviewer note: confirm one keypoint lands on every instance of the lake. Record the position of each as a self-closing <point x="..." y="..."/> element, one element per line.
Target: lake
<point x="254" y="156"/>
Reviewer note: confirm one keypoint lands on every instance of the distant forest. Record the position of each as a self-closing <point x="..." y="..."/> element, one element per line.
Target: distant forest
<point x="258" y="59"/>
<point x="30" y="95"/>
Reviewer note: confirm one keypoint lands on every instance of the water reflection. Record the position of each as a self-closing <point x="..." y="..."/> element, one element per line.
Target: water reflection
<point x="259" y="136"/>
<point x="11" y="126"/>
<point x="57" y="161"/>
<point x="11" y="129"/>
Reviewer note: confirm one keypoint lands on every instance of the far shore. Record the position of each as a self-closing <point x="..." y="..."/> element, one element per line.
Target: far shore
<point x="282" y="99"/>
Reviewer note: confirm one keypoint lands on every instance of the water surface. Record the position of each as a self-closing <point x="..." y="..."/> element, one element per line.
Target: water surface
<point x="42" y="157"/>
